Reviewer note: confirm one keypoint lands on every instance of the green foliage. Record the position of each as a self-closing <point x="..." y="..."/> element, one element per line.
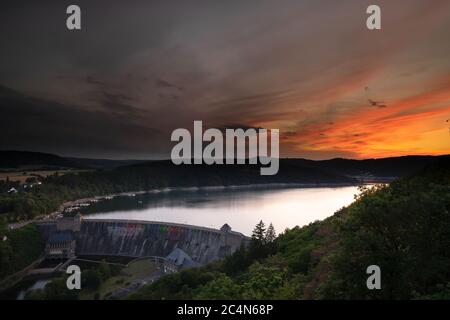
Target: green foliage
<point x="259" y="282"/>
<point x="259" y="232"/>
<point x="296" y="246"/>
<point x="181" y="285"/>
<point x="270" y="235"/>
<point x="22" y="247"/>
<point x="91" y="279"/>
<point x="220" y="288"/>
<point x="104" y="270"/>
<point x="262" y="282"/>
<point x="262" y="242"/>
<point x="238" y="262"/>
<point x="57" y="290"/>
<point x="404" y="228"/>
<point x="54" y="290"/>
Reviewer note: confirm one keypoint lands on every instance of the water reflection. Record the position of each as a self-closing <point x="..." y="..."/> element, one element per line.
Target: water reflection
<point x="240" y="208"/>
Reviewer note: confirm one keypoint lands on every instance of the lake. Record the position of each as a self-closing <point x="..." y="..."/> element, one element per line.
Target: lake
<point x="240" y="207"/>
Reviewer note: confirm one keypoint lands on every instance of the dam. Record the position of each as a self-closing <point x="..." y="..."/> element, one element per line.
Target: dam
<point x="185" y="245"/>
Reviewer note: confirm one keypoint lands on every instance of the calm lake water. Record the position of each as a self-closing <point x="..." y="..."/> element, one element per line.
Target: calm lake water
<point x="241" y="208"/>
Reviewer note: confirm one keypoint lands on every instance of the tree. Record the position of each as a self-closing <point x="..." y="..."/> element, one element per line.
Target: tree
<point x="270" y="234"/>
<point x="221" y="288"/>
<point x="262" y="281"/>
<point x="91" y="279"/>
<point x="238" y="262"/>
<point x="257" y="249"/>
<point x="259" y="232"/>
<point x="57" y="290"/>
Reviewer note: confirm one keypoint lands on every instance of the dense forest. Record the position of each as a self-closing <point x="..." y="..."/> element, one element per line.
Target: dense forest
<point x="19" y="248"/>
<point x="404" y="228"/>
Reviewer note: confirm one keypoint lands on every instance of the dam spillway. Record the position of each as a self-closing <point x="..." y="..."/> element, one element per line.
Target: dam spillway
<point x="145" y="238"/>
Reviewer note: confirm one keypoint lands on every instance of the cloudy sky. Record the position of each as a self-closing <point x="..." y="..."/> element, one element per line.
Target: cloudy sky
<point x="140" y="69"/>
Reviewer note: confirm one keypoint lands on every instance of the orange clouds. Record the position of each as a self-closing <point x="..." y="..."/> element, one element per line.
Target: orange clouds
<point x="411" y="125"/>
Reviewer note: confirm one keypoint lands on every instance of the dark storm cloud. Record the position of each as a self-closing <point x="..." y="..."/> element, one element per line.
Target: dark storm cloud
<point x="164" y="84"/>
<point x="139" y="69"/>
<point x="92" y="80"/>
<point x="35" y="124"/>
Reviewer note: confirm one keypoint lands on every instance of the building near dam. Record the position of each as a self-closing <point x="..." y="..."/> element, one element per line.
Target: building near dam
<point x="182" y="245"/>
<point x="60" y="245"/>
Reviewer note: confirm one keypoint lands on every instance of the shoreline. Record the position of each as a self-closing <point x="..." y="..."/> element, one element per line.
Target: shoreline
<point x="87" y="201"/>
<point x="82" y="201"/>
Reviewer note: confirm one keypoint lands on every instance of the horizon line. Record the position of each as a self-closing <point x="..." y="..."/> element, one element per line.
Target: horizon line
<point x="168" y="159"/>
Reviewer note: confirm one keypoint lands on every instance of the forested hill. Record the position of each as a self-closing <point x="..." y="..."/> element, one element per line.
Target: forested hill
<point x="403" y="228"/>
<point x="383" y="167"/>
<point x="10" y="159"/>
<point x="17" y="159"/>
<point x="200" y="175"/>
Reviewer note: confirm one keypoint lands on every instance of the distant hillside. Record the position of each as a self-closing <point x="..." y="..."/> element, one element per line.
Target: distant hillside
<point x="166" y="173"/>
<point x="16" y="159"/>
<point x="381" y="168"/>
<point x="102" y="163"/>
<point x="384" y="168"/>
<point x="291" y="170"/>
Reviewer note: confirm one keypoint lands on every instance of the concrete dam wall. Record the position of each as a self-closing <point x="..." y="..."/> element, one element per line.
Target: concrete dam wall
<point x="146" y="238"/>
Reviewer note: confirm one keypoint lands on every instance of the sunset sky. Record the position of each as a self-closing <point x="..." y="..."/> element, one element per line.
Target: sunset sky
<point x="140" y="69"/>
